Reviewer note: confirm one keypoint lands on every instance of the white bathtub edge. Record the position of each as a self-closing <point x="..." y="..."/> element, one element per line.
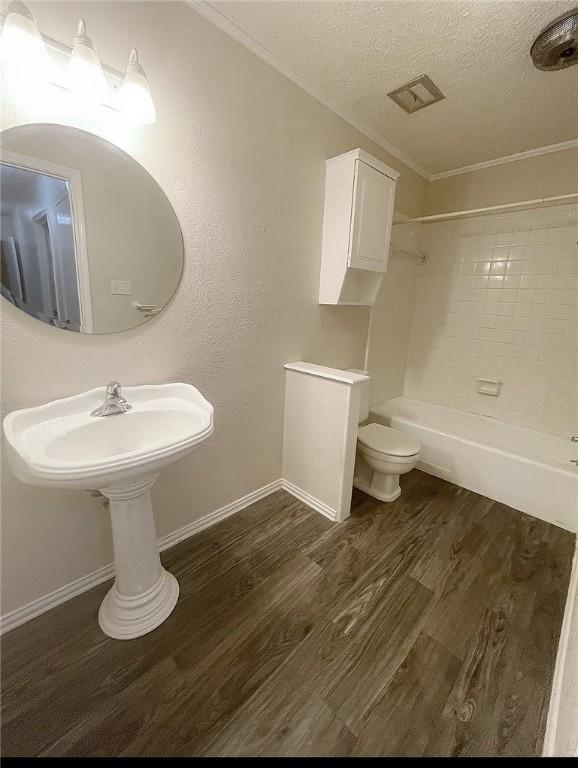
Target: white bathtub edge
<point x="544" y="489"/>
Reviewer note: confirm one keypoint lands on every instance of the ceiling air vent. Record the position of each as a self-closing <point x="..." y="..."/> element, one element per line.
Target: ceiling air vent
<point x="416" y="94"/>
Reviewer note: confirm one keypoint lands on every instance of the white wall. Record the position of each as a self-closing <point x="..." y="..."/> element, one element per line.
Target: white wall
<point x="566" y="742"/>
<point x="555" y="173"/>
<point x="321" y="417"/>
<point x="561" y="738"/>
<point x="390" y="329"/>
<point x="240" y="151"/>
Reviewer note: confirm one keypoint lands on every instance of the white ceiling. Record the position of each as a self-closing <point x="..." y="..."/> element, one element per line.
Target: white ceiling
<point x="476" y="51"/>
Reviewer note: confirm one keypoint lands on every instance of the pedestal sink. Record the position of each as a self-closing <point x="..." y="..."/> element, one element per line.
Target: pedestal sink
<point x="61" y="445"/>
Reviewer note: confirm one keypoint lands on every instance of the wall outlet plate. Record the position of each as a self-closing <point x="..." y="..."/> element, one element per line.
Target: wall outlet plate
<point x="121" y="287"/>
<point x="492" y="387"/>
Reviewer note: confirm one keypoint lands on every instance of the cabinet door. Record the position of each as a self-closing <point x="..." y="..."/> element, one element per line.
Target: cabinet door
<point x="371" y="219"/>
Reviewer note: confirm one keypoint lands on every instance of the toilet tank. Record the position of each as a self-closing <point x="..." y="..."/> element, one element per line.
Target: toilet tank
<point x="364" y="405"/>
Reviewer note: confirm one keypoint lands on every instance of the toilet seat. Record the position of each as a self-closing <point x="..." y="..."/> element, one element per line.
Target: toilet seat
<point x="400" y="461"/>
<point x="388" y="441"/>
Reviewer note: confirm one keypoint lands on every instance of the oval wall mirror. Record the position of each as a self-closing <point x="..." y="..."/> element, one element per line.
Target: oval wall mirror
<point x="90" y="242"/>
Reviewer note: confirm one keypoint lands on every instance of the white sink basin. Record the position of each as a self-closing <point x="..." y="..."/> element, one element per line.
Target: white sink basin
<point x="61" y="444"/>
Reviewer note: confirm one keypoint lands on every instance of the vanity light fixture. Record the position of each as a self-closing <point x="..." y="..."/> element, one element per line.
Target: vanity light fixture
<point x="22" y="49"/>
<point x="135" y="101"/>
<point x="84" y="77"/>
<point x="31" y="61"/>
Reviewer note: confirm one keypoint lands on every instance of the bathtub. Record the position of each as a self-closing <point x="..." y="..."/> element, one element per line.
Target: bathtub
<point x="530" y="471"/>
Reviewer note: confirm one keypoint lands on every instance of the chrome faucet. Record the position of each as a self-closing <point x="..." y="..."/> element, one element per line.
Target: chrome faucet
<point x="114" y="402"/>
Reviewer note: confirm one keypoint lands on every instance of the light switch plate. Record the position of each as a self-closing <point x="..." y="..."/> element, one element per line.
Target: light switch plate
<point x="121" y="287"/>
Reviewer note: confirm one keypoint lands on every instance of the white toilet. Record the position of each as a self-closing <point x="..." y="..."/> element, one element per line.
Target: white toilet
<point x="383" y="454"/>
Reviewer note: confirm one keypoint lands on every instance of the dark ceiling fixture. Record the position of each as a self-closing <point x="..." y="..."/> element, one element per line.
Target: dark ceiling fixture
<point x="556" y="47"/>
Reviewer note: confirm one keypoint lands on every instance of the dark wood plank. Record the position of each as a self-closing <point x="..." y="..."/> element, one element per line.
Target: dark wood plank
<point x="20" y="658"/>
<point x="326" y="591"/>
<point x="287" y="704"/>
<point x="264" y="535"/>
<point x="425" y="626"/>
<point x="109" y="666"/>
<point x="215" y="674"/>
<point x="457" y="534"/>
<point x="411" y="705"/>
<point x="491" y="697"/>
<point x="374" y="524"/>
<point x="347" y="671"/>
<point x="108" y="728"/>
<point x="480" y="564"/>
<point x="547" y="571"/>
<point x="297" y="728"/>
<point x="377" y="647"/>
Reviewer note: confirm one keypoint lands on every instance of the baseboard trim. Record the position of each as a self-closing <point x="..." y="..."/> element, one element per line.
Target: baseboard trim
<point x="18" y="616"/>
<point x="549" y="748"/>
<point x="168" y="541"/>
<point x="25" y="613"/>
<point x="311" y="501"/>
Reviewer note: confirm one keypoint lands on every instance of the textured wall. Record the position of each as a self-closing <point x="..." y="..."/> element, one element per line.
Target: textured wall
<point x="240" y="152"/>
<point x="499" y="299"/>
<point x="534" y="177"/>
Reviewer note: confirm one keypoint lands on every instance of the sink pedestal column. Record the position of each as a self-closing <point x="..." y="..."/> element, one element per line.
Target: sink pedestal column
<point x="143" y="594"/>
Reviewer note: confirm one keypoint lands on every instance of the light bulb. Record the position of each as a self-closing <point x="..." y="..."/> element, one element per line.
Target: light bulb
<point x="135" y="100"/>
<point x="22" y="50"/>
<point x="84" y="77"/>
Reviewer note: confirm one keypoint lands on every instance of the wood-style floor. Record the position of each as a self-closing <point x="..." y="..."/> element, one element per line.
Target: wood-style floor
<point x="424" y="627"/>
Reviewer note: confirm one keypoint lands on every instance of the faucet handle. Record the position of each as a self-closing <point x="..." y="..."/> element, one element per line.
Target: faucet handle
<point x="114" y="402"/>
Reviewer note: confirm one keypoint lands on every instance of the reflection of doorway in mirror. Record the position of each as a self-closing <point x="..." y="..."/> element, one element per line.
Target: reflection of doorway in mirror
<point x="43" y="212"/>
<point x="11" y="267"/>
<point x="56" y="250"/>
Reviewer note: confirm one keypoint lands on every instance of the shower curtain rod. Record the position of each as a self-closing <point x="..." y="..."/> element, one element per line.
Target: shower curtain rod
<point x="538" y="203"/>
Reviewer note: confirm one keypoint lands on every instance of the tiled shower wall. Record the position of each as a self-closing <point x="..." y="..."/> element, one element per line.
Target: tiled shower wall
<point x="498" y="298"/>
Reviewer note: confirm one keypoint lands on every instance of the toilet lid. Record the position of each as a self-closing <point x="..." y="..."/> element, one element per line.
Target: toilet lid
<point x="386" y="440"/>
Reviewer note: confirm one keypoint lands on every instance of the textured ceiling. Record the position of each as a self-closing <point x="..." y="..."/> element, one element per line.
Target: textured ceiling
<point x="476" y="51"/>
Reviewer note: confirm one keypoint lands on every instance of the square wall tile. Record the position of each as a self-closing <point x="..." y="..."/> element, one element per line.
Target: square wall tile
<point x="501" y="300"/>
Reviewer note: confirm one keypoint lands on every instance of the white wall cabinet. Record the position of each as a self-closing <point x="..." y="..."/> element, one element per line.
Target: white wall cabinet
<point x="359" y="201"/>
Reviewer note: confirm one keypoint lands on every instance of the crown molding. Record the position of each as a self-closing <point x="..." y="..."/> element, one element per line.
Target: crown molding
<point x="206" y="9"/>
<point x="506" y="159"/>
<point x="219" y="19"/>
